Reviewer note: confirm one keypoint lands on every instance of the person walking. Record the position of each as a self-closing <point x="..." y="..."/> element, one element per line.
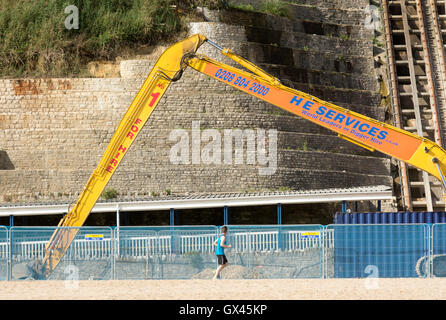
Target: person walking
<point x="220" y="252"/>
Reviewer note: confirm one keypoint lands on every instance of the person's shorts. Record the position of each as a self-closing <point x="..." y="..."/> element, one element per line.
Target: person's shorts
<point x="221" y="259"/>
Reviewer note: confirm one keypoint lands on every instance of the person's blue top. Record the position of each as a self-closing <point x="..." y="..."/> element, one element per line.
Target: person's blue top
<point x="220" y="250"/>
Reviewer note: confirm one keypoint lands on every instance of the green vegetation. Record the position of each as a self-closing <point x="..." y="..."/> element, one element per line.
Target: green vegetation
<point x="273" y="7"/>
<point x="377" y="43"/>
<point x="110" y="194"/>
<point x="34" y="39"/>
<point x="282" y="189"/>
<point x="245" y="7"/>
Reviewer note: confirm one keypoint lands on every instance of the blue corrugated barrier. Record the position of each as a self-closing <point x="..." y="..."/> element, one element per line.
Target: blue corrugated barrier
<point x="393" y="250"/>
<point x="438" y="256"/>
<point x="390" y="217"/>
<point x="396" y="243"/>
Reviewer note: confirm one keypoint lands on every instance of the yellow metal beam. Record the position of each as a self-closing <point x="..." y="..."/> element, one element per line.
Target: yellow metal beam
<point x="167" y="68"/>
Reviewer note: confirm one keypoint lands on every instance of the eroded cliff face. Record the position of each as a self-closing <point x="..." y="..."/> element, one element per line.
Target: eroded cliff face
<point x="53" y="132"/>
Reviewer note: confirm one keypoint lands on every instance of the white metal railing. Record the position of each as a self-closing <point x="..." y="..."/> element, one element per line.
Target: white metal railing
<point x="4" y="250"/>
<point x="287" y="240"/>
<point x="254" y="241"/>
<point x="302" y="240"/>
<point x="141" y="246"/>
<point x="92" y="249"/>
<point x="329" y="238"/>
<point x="29" y="250"/>
<point x="80" y="249"/>
<point x="200" y="243"/>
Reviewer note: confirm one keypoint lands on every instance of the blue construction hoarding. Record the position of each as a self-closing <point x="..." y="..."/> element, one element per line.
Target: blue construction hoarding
<point x="390" y="217"/>
<point x="391" y="244"/>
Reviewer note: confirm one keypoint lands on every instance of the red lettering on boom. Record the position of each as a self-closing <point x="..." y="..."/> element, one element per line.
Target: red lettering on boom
<point x="134" y="129"/>
<point x="122" y="149"/>
<point x="154" y="96"/>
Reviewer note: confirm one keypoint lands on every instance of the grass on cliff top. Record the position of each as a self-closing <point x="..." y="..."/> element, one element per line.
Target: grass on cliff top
<point x="273" y="7"/>
<point x="34" y="40"/>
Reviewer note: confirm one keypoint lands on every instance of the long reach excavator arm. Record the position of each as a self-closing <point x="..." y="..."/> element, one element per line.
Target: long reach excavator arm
<point x="351" y="126"/>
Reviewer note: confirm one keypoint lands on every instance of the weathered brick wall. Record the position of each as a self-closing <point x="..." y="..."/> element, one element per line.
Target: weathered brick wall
<point x="53" y="132"/>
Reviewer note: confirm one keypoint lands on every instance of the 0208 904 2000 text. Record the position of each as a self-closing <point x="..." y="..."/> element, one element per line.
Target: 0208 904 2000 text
<point x="242" y="82"/>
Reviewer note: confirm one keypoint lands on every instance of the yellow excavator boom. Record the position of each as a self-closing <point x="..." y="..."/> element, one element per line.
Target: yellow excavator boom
<point x="168" y="68"/>
<point x="351" y="126"/>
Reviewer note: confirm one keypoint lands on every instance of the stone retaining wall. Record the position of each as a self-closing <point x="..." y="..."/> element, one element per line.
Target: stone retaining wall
<point x="53" y="132"/>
